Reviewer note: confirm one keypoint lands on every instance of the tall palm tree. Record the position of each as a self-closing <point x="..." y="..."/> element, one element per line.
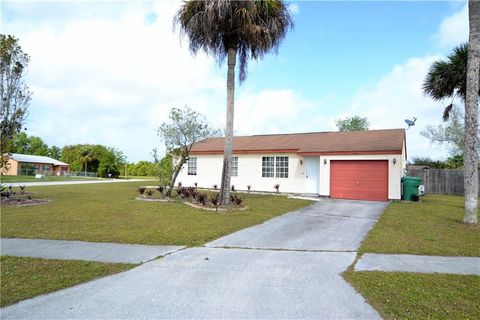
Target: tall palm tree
<point x="471" y="115"/>
<point x="458" y="77"/>
<point x="227" y="29"/>
<point x="86" y="156"/>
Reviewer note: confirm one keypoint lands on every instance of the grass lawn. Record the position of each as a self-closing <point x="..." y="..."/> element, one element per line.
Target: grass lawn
<point x="431" y="227"/>
<point x="401" y="295"/>
<point x="23" y="278"/>
<point x="139" y="177"/>
<point x="109" y="213"/>
<point x="8" y="179"/>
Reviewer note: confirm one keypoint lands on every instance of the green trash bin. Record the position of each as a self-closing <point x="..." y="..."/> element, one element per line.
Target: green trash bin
<point x="410" y="188"/>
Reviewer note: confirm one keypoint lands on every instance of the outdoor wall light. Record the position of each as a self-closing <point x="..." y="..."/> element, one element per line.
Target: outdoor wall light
<point x="394" y="161"/>
<point x="325" y="161"/>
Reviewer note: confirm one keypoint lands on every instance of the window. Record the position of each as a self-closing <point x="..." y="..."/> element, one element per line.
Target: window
<point x="277" y="165"/>
<point x="268" y="167"/>
<point x="234" y="167"/>
<point x="192" y="166"/>
<point x="281" y="167"/>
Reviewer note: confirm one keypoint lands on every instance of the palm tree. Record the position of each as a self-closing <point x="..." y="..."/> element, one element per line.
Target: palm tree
<point x="227" y="29"/>
<point x="86" y="156"/>
<point x="458" y="77"/>
<point x="471" y="115"/>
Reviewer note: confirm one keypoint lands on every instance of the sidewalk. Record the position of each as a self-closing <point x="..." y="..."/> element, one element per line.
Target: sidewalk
<point x="81" y="250"/>
<point x="416" y="263"/>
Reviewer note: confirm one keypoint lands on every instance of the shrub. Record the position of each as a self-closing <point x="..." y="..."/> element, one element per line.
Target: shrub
<point x="202" y="198"/>
<point x="233" y="187"/>
<point x="236" y="199"/>
<point x="192" y="192"/>
<point x="141" y="190"/>
<point x="277" y="187"/>
<point x="149" y="192"/>
<point x="184" y="193"/>
<point x="160" y="189"/>
<point x="215" y="199"/>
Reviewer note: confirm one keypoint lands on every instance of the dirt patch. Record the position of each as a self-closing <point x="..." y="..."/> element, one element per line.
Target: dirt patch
<point x="23" y="202"/>
<point x="219" y="208"/>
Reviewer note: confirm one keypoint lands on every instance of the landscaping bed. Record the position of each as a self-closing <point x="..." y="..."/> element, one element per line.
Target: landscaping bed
<point x="110" y="213"/>
<point x="23" y="278"/>
<point x="430" y="227"/>
<point x="18" y="197"/>
<point x="192" y="196"/>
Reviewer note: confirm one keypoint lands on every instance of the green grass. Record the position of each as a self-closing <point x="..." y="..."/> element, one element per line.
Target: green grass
<point x="109" y="213"/>
<point x="401" y="295"/>
<point x="139" y="177"/>
<point x="430" y="227"/>
<point x="23" y="278"/>
<point x="8" y="179"/>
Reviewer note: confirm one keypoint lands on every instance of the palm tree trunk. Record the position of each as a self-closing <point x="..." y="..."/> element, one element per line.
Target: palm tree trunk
<point x="227" y="156"/>
<point x="471" y="116"/>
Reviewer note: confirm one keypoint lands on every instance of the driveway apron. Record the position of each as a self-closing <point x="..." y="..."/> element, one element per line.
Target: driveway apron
<point x="289" y="276"/>
<point x="329" y="225"/>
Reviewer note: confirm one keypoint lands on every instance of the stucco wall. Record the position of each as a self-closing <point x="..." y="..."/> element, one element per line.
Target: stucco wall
<point x="209" y="170"/>
<point x="12" y="168"/>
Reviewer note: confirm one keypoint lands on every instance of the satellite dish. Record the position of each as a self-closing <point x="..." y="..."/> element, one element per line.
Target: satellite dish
<point x="410" y="123"/>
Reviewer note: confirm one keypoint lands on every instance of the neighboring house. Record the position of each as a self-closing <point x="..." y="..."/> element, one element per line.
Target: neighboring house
<point x="364" y="165"/>
<point x="24" y="164"/>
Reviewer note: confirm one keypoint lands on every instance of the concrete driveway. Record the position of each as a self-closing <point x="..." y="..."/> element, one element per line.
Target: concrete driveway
<point x="295" y="281"/>
<point x="328" y="225"/>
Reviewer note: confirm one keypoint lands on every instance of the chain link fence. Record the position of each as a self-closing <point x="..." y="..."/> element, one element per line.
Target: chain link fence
<point x="58" y="173"/>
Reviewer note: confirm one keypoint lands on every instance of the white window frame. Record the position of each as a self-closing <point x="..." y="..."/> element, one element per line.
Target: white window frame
<point x="275" y="167"/>
<point x="281" y="167"/>
<point x="192" y="166"/>
<point x="268" y="167"/>
<point x="234" y="167"/>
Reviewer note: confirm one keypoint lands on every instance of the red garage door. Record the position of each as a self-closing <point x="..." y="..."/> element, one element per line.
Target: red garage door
<point x="359" y="179"/>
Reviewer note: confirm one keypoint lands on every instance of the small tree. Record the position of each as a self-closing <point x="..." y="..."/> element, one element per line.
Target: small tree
<point x="185" y="128"/>
<point x="166" y="169"/>
<point x="14" y="93"/>
<point x="451" y="133"/>
<point x="355" y="123"/>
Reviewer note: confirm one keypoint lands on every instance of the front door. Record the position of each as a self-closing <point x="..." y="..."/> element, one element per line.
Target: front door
<point x="312" y="174"/>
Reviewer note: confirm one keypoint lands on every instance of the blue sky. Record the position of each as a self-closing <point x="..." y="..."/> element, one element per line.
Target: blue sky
<point x="108" y="72"/>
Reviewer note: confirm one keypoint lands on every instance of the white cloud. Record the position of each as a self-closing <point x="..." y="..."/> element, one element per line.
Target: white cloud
<point x="453" y="30"/>
<point x="294" y="8"/>
<point x="398" y="96"/>
<point x="112" y="81"/>
<point x="271" y="111"/>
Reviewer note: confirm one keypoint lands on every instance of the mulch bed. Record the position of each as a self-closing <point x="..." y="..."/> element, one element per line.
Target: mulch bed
<point x="23" y="202"/>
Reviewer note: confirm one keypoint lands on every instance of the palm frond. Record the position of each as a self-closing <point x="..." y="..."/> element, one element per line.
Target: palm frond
<point x="252" y="27"/>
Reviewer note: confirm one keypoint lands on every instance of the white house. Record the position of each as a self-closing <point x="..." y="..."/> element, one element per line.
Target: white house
<point x="363" y="165"/>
